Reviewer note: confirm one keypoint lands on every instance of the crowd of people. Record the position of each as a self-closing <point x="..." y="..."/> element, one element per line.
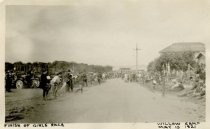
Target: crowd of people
<point x="68" y="81"/>
<point x="136" y="77"/>
<point x="172" y="81"/>
<point x="57" y="83"/>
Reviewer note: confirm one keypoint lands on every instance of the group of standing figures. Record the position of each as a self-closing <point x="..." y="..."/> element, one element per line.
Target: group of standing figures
<point x="61" y="82"/>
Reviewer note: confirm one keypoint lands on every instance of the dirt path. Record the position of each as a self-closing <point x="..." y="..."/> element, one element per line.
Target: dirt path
<point x="115" y="101"/>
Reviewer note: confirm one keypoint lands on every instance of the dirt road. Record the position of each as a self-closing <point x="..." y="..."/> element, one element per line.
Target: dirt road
<point x="116" y="101"/>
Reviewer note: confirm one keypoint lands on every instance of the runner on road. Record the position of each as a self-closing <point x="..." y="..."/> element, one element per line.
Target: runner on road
<point x="84" y="79"/>
<point x="55" y="83"/>
<point x="99" y="78"/>
<point x="45" y="84"/>
<point x="70" y="81"/>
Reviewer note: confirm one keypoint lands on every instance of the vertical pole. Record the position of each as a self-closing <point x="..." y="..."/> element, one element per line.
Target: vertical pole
<point x="136" y="57"/>
<point x="136" y="49"/>
<point x="164" y="80"/>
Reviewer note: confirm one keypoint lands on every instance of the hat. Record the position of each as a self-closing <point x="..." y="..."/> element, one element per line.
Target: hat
<point x="48" y="77"/>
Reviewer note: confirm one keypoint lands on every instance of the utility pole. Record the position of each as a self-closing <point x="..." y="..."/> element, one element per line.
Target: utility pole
<point x="137" y="49"/>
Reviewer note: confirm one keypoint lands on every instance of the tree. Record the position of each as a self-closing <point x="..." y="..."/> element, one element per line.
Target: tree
<point x="177" y="61"/>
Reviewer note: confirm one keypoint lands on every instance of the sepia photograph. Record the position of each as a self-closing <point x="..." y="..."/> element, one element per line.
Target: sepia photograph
<point x="111" y="61"/>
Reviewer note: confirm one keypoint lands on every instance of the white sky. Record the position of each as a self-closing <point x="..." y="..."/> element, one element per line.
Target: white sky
<point x="103" y="32"/>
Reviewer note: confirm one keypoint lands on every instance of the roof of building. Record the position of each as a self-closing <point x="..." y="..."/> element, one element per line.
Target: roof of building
<point x="199" y="55"/>
<point x="185" y="46"/>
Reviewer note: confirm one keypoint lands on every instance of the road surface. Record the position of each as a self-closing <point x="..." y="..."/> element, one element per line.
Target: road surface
<point x="115" y="101"/>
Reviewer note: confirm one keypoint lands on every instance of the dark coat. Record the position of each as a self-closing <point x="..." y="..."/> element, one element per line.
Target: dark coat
<point x="44" y="82"/>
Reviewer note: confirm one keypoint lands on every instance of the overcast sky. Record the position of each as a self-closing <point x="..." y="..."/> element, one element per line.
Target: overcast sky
<point x="103" y="32"/>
